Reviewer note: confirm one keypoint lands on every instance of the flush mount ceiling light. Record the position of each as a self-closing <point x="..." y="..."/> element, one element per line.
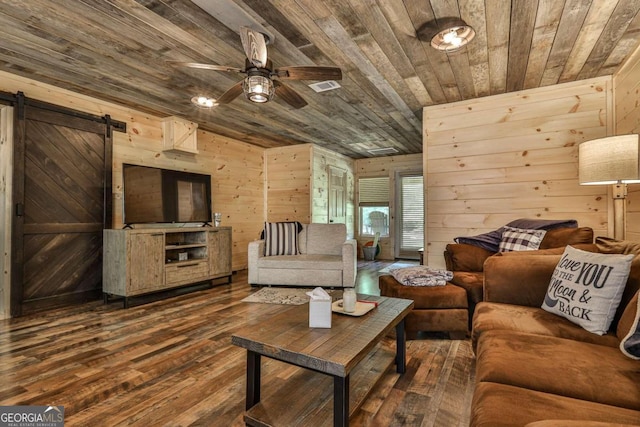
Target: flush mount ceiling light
<point x="203" y="102"/>
<point x="455" y="35"/>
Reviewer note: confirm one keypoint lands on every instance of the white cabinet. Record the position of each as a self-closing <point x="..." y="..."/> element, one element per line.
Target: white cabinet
<point x="137" y="262"/>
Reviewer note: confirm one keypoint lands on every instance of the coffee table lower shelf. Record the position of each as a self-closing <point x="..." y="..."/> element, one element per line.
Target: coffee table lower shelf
<point x="307" y="397"/>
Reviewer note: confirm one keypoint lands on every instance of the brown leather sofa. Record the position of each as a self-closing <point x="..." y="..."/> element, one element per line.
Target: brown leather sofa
<point x="450" y="308"/>
<point x="534" y="368"/>
<point x="467" y="261"/>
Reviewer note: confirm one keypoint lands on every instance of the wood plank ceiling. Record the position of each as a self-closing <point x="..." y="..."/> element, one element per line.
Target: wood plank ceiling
<point x="117" y="50"/>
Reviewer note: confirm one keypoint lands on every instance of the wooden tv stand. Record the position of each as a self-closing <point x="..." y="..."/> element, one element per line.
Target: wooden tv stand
<point x="143" y="261"/>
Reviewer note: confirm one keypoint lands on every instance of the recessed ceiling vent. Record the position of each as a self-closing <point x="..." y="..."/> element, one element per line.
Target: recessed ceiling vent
<point x="381" y="151"/>
<point x="324" y="86"/>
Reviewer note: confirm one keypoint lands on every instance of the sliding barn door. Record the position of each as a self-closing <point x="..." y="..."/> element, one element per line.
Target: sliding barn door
<point x="62" y="179"/>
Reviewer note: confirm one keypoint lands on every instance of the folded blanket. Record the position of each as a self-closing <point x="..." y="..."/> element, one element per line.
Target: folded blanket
<point x="421" y="275"/>
<point x="491" y="240"/>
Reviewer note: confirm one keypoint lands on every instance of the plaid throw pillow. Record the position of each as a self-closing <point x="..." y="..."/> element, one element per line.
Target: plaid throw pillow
<point x="280" y="238"/>
<point x="517" y="239"/>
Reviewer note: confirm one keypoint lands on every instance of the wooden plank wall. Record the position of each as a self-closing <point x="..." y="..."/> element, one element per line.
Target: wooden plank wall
<point x="6" y="211"/>
<point x="288" y="183"/>
<point x="297" y="184"/>
<point x="379" y="167"/>
<point x="322" y="159"/>
<point x="626" y="87"/>
<point x="492" y="160"/>
<point x="236" y="167"/>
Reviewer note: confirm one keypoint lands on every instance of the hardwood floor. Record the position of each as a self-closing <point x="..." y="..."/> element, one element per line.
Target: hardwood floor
<point x="171" y="362"/>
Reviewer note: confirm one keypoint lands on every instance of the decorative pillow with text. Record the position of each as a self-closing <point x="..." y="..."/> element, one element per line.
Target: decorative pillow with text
<point x="280" y="238"/>
<point x="586" y="288"/>
<point x="518" y="239"/>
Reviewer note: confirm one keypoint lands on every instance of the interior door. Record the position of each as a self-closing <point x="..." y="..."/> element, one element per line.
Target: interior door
<point x="337" y="195"/>
<point x="62" y="194"/>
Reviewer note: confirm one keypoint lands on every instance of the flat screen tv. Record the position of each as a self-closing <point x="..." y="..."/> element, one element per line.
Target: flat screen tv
<point x="155" y="195"/>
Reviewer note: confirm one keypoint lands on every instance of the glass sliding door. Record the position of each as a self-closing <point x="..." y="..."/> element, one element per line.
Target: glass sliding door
<point x="410" y="215"/>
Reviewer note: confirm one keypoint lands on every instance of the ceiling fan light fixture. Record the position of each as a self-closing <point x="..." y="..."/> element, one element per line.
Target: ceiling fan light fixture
<point x="453" y="37"/>
<point x="204" y="102"/>
<point x="258" y="86"/>
<point x="258" y="89"/>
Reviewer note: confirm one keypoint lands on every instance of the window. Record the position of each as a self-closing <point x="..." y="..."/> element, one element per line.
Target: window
<point x="373" y="203"/>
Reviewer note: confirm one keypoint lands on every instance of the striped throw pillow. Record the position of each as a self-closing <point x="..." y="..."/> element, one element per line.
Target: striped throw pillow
<point x="280" y="238"/>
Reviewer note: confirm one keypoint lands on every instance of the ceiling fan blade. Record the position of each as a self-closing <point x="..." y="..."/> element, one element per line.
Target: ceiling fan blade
<point x="289" y="95"/>
<point x="255" y="46"/>
<point x="207" y="66"/>
<point x="309" y="73"/>
<point x="231" y="93"/>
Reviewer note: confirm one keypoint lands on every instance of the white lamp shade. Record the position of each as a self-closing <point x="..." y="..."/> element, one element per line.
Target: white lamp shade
<point x="610" y="160"/>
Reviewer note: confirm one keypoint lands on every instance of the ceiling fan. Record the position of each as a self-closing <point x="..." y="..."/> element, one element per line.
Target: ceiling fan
<point x="259" y="85"/>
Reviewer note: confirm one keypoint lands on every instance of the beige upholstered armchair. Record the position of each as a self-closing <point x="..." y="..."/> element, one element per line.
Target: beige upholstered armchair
<point x="325" y="258"/>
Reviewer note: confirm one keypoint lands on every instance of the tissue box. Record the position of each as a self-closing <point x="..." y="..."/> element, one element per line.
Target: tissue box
<point x="320" y="313"/>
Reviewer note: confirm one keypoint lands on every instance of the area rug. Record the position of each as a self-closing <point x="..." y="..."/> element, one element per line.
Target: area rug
<point x="288" y="296"/>
<point x="399" y="264"/>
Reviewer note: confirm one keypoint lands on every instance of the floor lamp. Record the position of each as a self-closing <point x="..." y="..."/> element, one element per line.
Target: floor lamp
<point x="614" y="160"/>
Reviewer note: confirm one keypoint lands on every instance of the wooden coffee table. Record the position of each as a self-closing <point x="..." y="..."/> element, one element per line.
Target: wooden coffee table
<point x="348" y="352"/>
